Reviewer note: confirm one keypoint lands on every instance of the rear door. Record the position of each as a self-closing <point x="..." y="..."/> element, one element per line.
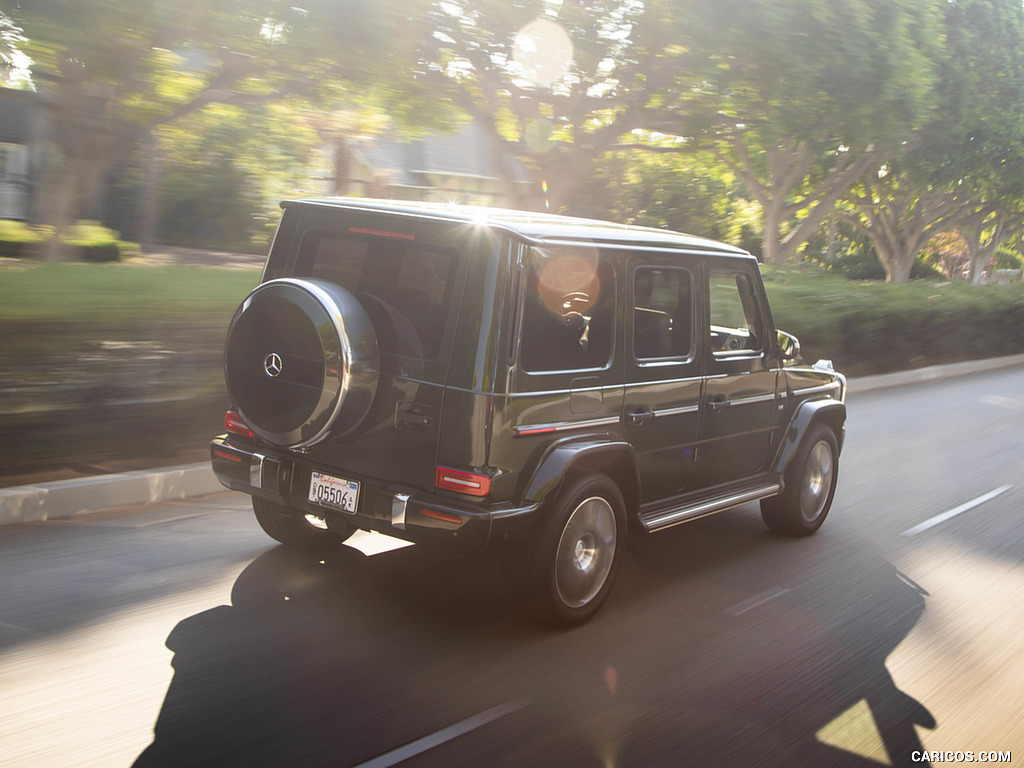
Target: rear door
<point x="740" y="396"/>
<point x="406" y="273"/>
<point x="663" y="396"/>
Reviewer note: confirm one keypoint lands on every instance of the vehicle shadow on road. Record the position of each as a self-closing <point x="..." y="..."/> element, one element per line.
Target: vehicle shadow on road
<point x="336" y="659"/>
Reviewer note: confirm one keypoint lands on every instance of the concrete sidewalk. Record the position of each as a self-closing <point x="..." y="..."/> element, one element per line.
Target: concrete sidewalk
<point x="67" y="498"/>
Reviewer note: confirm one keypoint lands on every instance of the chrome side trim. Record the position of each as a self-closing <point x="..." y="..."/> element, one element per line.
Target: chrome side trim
<point x="677" y="411"/>
<point x="814" y="390"/>
<point x="399" y="506"/>
<point x="754" y="399"/>
<point x="657" y="521"/>
<point x="256" y="471"/>
<point x="563" y="426"/>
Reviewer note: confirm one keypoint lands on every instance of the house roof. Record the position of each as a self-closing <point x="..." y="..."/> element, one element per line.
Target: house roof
<point x="466" y="153"/>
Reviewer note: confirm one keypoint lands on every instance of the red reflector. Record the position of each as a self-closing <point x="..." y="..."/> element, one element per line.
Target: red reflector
<point x="233" y="423"/>
<point x="381" y="233"/>
<point x="227" y="456"/>
<point x="537" y="431"/>
<point x="462" y="482"/>
<point x="441" y="516"/>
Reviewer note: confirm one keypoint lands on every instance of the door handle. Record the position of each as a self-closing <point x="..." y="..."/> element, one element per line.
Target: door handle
<point x="639" y="417"/>
<point x="717" y="403"/>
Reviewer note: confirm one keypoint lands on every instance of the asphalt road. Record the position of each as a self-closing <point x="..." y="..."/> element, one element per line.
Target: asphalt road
<point x="179" y="635"/>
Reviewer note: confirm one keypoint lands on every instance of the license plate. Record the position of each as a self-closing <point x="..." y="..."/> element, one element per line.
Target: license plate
<point x="334" y="492"/>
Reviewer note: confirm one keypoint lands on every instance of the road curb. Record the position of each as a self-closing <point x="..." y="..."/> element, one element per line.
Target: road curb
<point x="863" y="385"/>
<point x="67" y="498"/>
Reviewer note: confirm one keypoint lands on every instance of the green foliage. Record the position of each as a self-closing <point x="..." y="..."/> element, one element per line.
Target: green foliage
<point x="225" y="169"/>
<point x="92" y="241"/>
<point x="17" y="239"/>
<point x="691" y="193"/>
<point x="875" y="327"/>
<point x="1008" y="257"/>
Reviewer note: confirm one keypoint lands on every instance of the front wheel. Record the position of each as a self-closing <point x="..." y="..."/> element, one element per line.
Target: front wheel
<point x="565" y="575"/>
<point x="810" y="485"/>
<point x="290" y="526"/>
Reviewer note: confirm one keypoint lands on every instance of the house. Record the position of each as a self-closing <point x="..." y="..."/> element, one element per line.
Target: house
<point x="22" y="129"/>
<point x="460" y="168"/>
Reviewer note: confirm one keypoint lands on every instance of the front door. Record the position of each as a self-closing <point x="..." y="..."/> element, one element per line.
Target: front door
<point x="740" y="395"/>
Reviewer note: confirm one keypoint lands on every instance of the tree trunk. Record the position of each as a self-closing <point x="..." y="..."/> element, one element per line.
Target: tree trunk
<point x="771" y="250"/>
<point x="150" y="204"/>
<point x="982" y="249"/>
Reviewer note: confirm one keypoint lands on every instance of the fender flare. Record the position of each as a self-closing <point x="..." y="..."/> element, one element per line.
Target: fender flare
<point x="808" y="413"/>
<point x="562" y="457"/>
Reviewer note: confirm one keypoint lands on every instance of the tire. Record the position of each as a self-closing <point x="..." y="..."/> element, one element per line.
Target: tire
<point x="566" y="573"/>
<point x="301" y="362"/>
<point x="810" y="484"/>
<point x="290" y="527"/>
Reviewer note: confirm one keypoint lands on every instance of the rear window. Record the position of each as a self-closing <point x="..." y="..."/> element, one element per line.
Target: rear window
<point x="405" y="287"/>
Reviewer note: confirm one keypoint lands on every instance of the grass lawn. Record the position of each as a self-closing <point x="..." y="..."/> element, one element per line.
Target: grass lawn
<point x="115" y="293"/>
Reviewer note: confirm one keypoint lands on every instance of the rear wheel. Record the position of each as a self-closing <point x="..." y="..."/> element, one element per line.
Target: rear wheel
<point x="293" y="528"/>
<point x="565" y="575"/>
<point x="810" y="485"/>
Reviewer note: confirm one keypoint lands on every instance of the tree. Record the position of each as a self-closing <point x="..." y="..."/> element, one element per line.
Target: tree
<point x="964" y="169"/>
<point x="555" y="84"/>
<point x="982" y="87"/>
<point x="899" y="213"/>
<point x="109" y="72"/>
<point x="800" y="98"/>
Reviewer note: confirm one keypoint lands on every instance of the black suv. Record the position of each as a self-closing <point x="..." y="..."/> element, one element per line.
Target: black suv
<point x="527" y="384"/>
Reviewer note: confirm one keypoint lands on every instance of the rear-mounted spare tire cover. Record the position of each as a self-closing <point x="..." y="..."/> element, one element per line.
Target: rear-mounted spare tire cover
<point x="301" y="361"/>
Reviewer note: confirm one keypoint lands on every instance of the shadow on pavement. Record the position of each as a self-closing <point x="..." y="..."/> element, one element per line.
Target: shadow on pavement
<point x="335" y="660"/>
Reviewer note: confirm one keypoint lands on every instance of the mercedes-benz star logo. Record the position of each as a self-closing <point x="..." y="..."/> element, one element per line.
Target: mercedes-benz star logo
<point x="273" y="364"/>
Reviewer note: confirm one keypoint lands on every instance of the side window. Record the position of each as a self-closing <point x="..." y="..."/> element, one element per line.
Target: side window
<point x="662" y="313"/>
<point x="568" y="312"/>
<point x="735" y="328"/>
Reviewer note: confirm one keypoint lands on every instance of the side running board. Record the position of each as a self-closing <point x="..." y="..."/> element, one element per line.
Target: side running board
<point x="659" y="519"/>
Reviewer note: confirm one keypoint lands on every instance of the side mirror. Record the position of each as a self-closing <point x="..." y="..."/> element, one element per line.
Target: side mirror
<point x="787" y="346"/>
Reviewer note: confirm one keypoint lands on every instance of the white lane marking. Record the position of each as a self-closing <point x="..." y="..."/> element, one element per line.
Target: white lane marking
<point x="1003" y="402"/>
<point x="750" y="604"/>
<point x="933" y="521"/>
<point x="413" y="748"/>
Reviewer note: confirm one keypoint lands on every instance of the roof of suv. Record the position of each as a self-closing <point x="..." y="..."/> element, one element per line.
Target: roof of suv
<point x="539" y="228"/>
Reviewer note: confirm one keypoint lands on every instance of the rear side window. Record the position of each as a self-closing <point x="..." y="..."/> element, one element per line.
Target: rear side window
<point x="662" y="313"/>
<point x="568" y="311"/>
<point x="405" y="287"/>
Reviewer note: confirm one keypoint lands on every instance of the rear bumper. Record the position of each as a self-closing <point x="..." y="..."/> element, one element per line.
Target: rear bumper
<point x="456" y="525"/>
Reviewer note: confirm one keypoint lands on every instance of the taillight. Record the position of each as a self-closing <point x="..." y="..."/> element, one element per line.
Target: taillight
<point x="462" y="482"/>
<point x="233" y="423"/>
